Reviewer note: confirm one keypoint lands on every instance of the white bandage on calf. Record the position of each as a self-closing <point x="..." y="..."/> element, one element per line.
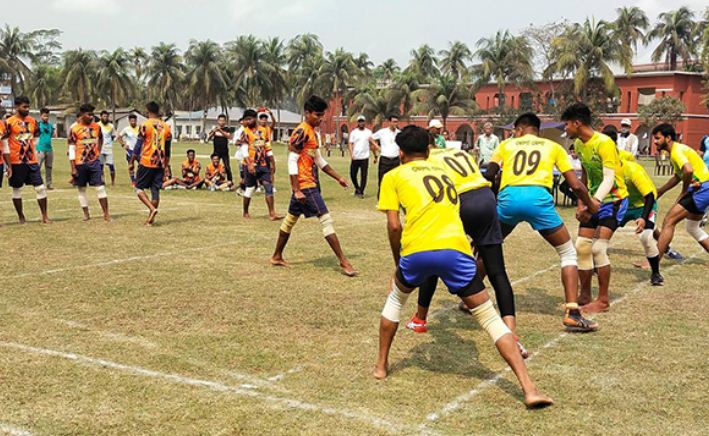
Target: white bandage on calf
<point x="600" y="253"/>
<point x="17" y="193"/>
<point x="72" y="152"/>
<point x="101" y="192"/>
<point x="289" y="223"/>
<point x="319" y="160"/>
<point x="490" y="320"/>
<point x="395" y="301"/>
<point x="695" y="230"/>
<point x="83" y="198"/>
<point x="293" y="163"/>
<point x="584" y="250"/>
<point x="649" y="243"/>
<point x="567" y="254"/>
<point x="41" y="192"/>
<point x="327" y="225"/>
<point x="249" y="192"/>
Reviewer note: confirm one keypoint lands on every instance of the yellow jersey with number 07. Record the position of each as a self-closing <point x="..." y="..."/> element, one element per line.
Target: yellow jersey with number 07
<point x="682" y="154"/>
<point x="427" y="194"/>
<point x="461" y="168"/>
<point x="530" y="161"/>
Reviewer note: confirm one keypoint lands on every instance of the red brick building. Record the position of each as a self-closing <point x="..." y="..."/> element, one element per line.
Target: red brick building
<point x="646" y="84"/>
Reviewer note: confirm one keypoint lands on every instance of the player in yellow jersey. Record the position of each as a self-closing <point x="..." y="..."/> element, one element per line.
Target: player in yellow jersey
<point x="603" y="174"/>
<point x="528" y="162"/>
<point x="693" y="201"/>
<point x="433" y="243"/>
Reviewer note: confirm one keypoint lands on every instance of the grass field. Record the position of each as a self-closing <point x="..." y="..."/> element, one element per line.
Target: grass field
<point x="184" y="328"/>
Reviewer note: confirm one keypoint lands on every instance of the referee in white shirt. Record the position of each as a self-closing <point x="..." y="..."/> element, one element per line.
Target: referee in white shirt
<point x="387" y="147"/>
<point x="359" y="145"/>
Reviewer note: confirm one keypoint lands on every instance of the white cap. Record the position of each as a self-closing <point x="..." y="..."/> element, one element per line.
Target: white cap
<point x="435" y="123"/>
<point x="625" y="122"/>
<point x="361" y="118"/>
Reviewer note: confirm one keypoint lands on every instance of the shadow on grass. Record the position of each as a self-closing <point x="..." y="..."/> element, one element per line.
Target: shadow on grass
<point x="539" y="300"/>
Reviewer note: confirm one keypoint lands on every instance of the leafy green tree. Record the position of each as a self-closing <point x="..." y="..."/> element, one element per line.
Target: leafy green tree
<point x="662" y="110"/>
<point x="165" y="73"/>
<point x="206" y="78"/>
<point x="675" y="30"/>
<point x="444" y="97"/>
<point x="454" y="60"/>
<point x="79" y="74"/>
<point x="113" y="78"/>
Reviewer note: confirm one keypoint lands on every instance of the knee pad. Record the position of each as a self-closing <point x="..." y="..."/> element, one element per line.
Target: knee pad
<point x="249" y="192"/>
<point x="101" y="192"/>
<point x="695" y="230"/>
<point x="584" y="250"/>
<point x="288" y="223"/>
<point x="41" y="192"/>
<point x="490" y="320"/>
<point x="395" y="301"/>
<point x="83" y="199"/>
<point x="17" y="193"/>
<point x="327" y="225"/>
<point x="649" y="243"/>
<point x="567" y="254"/>
<point x="600" y="253"/>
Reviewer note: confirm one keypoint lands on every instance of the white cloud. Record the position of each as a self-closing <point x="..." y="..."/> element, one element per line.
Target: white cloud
<point x="103" y="7"/>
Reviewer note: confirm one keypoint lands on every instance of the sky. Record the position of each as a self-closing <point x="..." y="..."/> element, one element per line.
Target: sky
<point x="382" y="28"/>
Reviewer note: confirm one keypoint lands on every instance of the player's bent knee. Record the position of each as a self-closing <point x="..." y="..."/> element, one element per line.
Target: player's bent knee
<point x="649" y="243"/>
<point x="268" y="188"/>
<point x="490" y="320"/>
<point x="584" y="250"/>
<point x="101" y="192"/>
<point x="17" y="193"/>
<point x="249" y="192"/>
<point x="288" y="223"/>
<point x="327" y="224"/>
<point x="395" y="302"/>
<point x="695" y="230"/>
<point x="83" y="199"/>
<point x="567" y="254"/>
<point x="600" y="253"/>
<point x="41" y="192"/>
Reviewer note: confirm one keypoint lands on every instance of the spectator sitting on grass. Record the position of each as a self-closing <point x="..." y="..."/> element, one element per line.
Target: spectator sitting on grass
<point x="215" y="177"/>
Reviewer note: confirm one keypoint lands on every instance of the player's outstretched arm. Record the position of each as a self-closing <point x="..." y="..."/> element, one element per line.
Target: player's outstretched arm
<point x="330" y="171"/>
<point x="394" y="231"/>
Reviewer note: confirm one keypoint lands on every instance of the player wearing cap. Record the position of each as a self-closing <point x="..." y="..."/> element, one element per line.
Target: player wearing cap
<point x="359" y="145"/>
<point x="304" y="159"/>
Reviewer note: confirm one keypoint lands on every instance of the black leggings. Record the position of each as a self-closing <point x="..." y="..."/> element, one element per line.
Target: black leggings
<point x="224" y="156"/>
<point x="359" y="165"/>
<point x="494" y="261"/>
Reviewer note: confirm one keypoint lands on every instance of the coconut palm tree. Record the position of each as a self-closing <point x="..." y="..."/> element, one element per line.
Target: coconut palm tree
<point x="205" y="79"/>
<point x="139" y="57"/>
<point x="453" y="61"/>
<point x="246" y="60"/>
<point x="275" y="58"/>
<point x="16" y="51"/>
<point x="79" y="72"/>
<point x="630" y="27"/>
<point x="165" y="74"/>
<point x="444" y="97"/>
<point x="364" y="64"/>
<point x="302" y="49"/>
<point x="44" y="84"/>
<point x="424" y="63"/>
<point x="402" y="91"/>
<point x="504" y="59"/>
<point x="675" y="31"/>
<point x="113" y="78"/>
<point x="376" y="104"/>
<point x="386" y="70"/>
<point x="337" y="73"/>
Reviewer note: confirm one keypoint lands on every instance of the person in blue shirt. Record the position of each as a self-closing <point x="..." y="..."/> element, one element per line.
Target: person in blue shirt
<point x="44" y="146"/>
<point x="704" y="149"/>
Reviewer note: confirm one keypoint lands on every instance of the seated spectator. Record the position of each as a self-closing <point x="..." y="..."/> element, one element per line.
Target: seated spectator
<point x="215" y="177"/>
<point x="190" y="174"/>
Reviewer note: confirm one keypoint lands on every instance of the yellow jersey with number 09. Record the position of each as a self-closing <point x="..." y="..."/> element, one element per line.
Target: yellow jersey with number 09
<point x="530" y="160"/>
<point x="427" y="194"/>
<point x="682" y="154"/>
<point x="461" y="168"/>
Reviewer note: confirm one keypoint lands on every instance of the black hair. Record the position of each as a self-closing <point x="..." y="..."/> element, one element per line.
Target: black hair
<point x="21" y="100"/>
<point x="104" y="112"/>
<point x="132" y="117"/>
<point x="249" y="113"/>
<point x="315" y="104"/>
<point x="213" y="155"/>
<point x="222" y="116"/>
<point x="392" y="116"/>
<point x="263" y="115"/>
<point x="665" y="130"/>
<point x="611" y="131"/>
<point x="86" y="108"/>
<point x="413" y="140"/>
<point x="153" y="108"/>
<point x="191" y="150"/>
<point x="528" y="119"/>
<point x="577" y="112"/>
<point x="44" y="110"/>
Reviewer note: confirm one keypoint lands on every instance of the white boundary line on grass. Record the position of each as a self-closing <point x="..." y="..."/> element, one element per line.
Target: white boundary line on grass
<point x="13" y="430"/>
<point x="271" y="400"/>
<point x="460" y="400"/>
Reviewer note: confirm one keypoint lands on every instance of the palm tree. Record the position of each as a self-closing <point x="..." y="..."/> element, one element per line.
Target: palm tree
<point x="302" y="49"/>
<point x="140" y="60"/>
<point x="444" y="97"/>
<point x="504" y="58"/>
<point x="44" y="84"/>
<point x="79" y="72"/>
<point x="16" y="51"/>
<point x="337" y="73"/>
<point x="113" y="78"/>
<point x="374" y="103"/>
<point x="245" y="58"/>
<point x="364" y="64"/>
<point x="630" y="27"/>
<point x="586" y="51"/>
<point x="674" y="29"/>
<point x="424" y="63"/>
<point x="275" y="58"/>
<point x="453" y="60"/>
<point x="402" y="91"/>
<point x="165" y="73"/>
<point x="387" y="70"/>
<point x="206" y="80"/>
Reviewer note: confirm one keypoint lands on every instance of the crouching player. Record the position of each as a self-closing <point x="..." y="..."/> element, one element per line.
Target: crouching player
<point x="434" y="244"/>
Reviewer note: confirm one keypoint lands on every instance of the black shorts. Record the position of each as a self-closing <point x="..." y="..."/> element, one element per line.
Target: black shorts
<point x="147" y="178"/>
<point x="263" y="175"/>
<point x="478" y="211"/>
<point x="89" y="174"/>
<point x="25" y="174"/>
<point x="610" y="215"/>
<point x="313" y="205"/>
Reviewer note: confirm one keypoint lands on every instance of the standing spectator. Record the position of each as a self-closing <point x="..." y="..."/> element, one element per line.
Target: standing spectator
<point x="387" y="148"/>
<point x="44" y="146"/>
<point x="359" y="145"/>
<point x="435" y="127"/>
<point x="109" y="134"/>
<point x="486" y="144"/>
<point x="627" y="140"/>
<point x="220" y="135"/>
<point x="128" y="138"/>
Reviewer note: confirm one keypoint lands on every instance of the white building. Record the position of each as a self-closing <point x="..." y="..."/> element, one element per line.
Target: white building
<point x="188" y="124"/>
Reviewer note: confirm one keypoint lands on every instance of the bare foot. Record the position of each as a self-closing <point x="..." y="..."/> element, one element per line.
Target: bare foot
<point x="108" y="218"/>
<point x="583" y="300"/>
<point x="537" y="400"/>
<point x="46" y="220"/>
<point x="247" y="216"/>
<point x="151" y="217"/>
<point x="348" y="269"/>
<point x="87" y="218"/>
<point x="380" y="373"/>
<point x="22" y="219"/>
<point x="276" y="217"/>
<point x="642" y="264"/>
<point x="596" y="306"/>
<point x="279" y="261"/>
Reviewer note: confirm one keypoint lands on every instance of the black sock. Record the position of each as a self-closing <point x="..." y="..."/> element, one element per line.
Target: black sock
<point x="654" y="264"/>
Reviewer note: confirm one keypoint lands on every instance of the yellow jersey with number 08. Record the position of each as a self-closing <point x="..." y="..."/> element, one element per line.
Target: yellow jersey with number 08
<point x="461" y="168"/>
<point x="427" y="194"/>
<point x="530" y="160"/>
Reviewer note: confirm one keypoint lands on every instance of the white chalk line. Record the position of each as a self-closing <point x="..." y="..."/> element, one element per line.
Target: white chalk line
<point x="271" y="400"/>
<point x="113" y="336"/>
<point x="13" y="430"/>
<point x="460" y="400"/>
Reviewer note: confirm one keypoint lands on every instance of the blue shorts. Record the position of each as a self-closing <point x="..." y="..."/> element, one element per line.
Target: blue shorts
<point x="25" y="174"/>
<point x="90" y="173"/>
<point x="533" y="204"/>
<point x="262" y="175"/>
<point x="313" y="205"/>
<point x="610" y="215"/>
<point x="696" y="200"/>
<point x="456" y="269"/>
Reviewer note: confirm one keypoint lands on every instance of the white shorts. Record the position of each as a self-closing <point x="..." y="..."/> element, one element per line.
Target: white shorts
<point x="106" y="157"/>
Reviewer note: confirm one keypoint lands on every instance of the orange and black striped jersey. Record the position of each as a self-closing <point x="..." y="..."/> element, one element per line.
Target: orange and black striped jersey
<point x="86" y="140"/>
<point x="20" y="133"/>
<point x="152" y="136"/>
<point x="304" y="141"/>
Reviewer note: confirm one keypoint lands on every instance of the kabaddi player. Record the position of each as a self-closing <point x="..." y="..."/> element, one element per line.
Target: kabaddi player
<point x="109" y="134"/>
<point x="304" y="159"/>
<point x="19" y="134"/>
<point x="693" y="200"/>
<point x="603" y="175"/>
<point x="528" y="162"/>
<point x="128" y="138"/>
<point x="433" y="243"/>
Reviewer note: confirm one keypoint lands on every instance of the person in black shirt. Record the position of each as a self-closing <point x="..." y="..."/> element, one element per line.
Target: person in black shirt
<point x="220" y="135"/>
